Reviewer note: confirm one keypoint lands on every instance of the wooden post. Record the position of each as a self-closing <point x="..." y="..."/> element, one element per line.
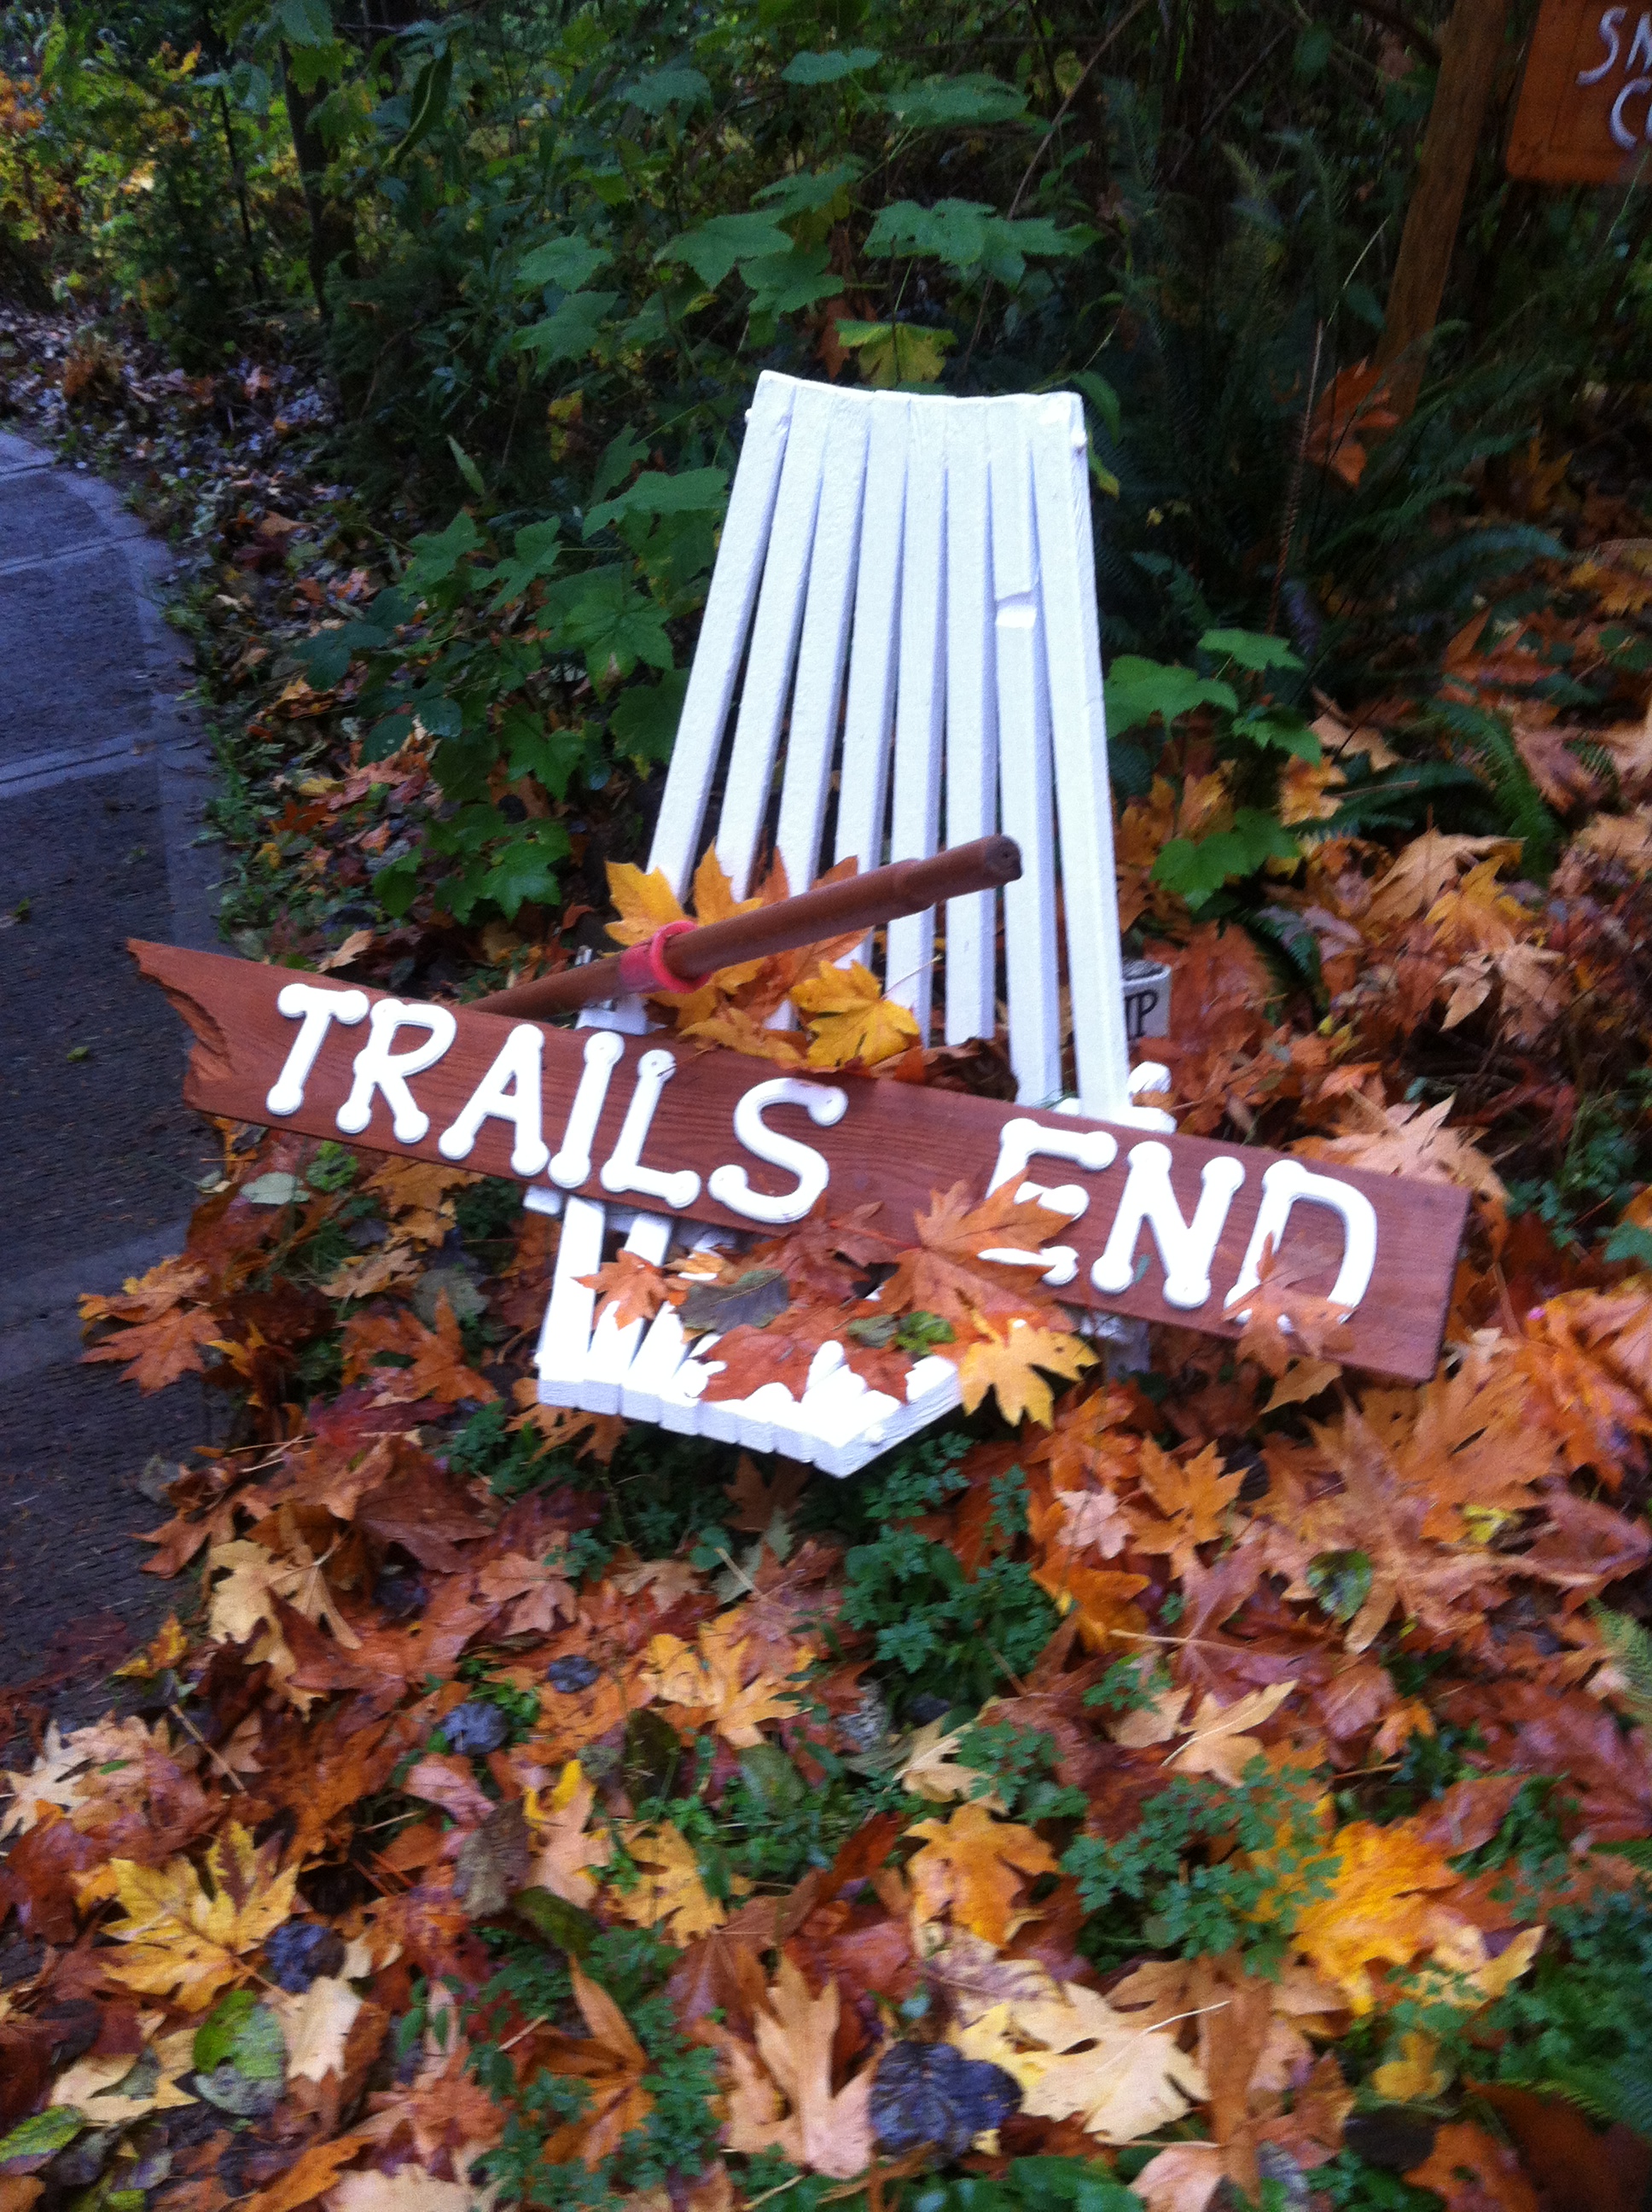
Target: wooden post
<point x="1470" y="54"/>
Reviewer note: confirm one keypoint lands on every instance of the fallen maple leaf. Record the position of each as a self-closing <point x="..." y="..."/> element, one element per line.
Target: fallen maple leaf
<point x="437" y="1365"/>
<point x="565" y="1854"/>
<point x="1471" y="2171"/>
<point x="1008" y="1366"/>
<point x="710" y="1681"/>
<point x="932" y="1772"/>
<point x="849" y="1018"/>
<point x="787" y="2103"/>
<point x="1219" y="1743"/>
<point x="1092" y="1521"/>
<point x="646" y="902"/>
<point x="1376" y="1908"/>
<point x="1422" y="870"/>
<point x="971" y="1868"/>
<point x="611" y="2061"/>
<point x="629" y="1289"/>
<point x="669" y="1894"/>
<point x="112" y="2091"/>
<point x="183" y="1939"/>
<point x="1409" y="1140"/>
<point x="1075" y="2057"/>
<point x="1193" y="1499"/>
<point x="947" y="1272"/>
<point x="157" y="1352"/>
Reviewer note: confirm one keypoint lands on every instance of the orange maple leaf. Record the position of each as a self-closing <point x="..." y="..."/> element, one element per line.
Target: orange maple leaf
<point x="972" y="1867"/>
<point x="946" y="1272"/>
<point x="630" y="1289"/>
<point x="156" y="1352"/>
<point x="438" y="1368"/>
<point x="1193" y="1499"/>
<point x="1351" y="413"/>
<point x="1471" y="2171"/>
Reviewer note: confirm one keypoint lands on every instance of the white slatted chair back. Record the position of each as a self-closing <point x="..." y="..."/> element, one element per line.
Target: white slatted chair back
<point x="907" y="586"/>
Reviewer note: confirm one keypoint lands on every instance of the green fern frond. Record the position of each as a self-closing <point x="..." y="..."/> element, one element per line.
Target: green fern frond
<point x="1630" y="1647"/>
<point x="1486" y="738"/>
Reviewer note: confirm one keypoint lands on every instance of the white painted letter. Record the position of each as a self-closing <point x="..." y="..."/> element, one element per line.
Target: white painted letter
<point x="730" y="1186"/>
<point x="1609" y="23"/>
<point x="1640" y="50"/>
<point x="320" y="1008"/>
<point x="1021" y="1140"/>
<point x="602" y="1053"/>
<point x="1621" y="130"/>
<point x="624" y="1170"/>
<point x="511" y="1091"/>
<point x="1283" y="1185"/>
<point x="378" y="1068"/>
<point x="1185" y="1249"/>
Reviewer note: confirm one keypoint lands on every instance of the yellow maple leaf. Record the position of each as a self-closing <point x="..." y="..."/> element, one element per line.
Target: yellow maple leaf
<point x="971" y="1868"/>
<point x="849" y="1018"/>
<point x="710" y="1681"/>
<point x="646" y="902"/>
<point x="1191" y="1497"/>
<point x="565" y="1854"/>
<point x="1075" y="2057"/>
<point x="1008" y="1366"/>
<point x="1415" y="2074"/>
<point x="1377" y="1909"/>
<point x="164" y="1649"/>
<point x="182" y="1938"/>
<point x="670" y="1894"/>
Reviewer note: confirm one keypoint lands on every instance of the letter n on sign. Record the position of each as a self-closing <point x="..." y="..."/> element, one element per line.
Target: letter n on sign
<point x="1585" y="112"/>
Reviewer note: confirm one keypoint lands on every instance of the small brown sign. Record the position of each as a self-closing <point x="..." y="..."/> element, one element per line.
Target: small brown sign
<point x="1585" y="112"/>
<point x="1164" y="1228"/>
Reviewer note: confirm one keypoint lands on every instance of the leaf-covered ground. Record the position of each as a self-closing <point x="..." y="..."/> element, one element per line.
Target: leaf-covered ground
<point x="1235" y="1788"/>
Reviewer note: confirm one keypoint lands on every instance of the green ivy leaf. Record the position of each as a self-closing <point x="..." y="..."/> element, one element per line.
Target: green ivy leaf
<point x="1137" y="690"/>
<point x="690" y="491"/>
<point x="1251" y="649"/>
<point x="831" y="67"/>
<point x="645" y="718"/>
<point x="954" y="103"/>
<point x="679" y="85"/>
<point x="567" y="263"/>
<point x="813" y="192"/>
<point x="306" y="22"/>
<point x="969" y="237"/>
<point x="1197" y="870"/>
<point x="712" y="250"/>
<point x="571" y="333"/>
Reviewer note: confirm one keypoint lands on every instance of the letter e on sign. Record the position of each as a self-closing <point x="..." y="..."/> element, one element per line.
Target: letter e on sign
<point x="1585" y="112"/>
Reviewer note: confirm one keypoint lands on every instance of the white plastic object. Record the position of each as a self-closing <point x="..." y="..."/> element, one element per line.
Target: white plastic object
<point x="380" y="1068"/>
<point x="315" y="1008"/>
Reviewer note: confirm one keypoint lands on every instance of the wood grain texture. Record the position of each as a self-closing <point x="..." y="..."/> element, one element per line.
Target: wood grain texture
<point x="896" y="1144"/>
<point x="1563" y="131"/>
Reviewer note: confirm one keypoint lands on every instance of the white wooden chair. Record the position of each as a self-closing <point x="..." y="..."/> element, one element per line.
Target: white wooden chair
<point x="909" y="586"/>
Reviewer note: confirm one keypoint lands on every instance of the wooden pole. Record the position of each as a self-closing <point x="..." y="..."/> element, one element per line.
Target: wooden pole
<point x="683" y="954"/>
<point x="1471" y="51"/>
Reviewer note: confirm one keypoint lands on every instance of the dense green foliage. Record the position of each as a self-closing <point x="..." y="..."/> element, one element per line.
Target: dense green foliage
<point x="553" y="245"/>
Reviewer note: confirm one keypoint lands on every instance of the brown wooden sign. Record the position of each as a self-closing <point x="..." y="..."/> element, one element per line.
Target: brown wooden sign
<point x="1585" y="112"/>
<point x="1167" y="1229"/>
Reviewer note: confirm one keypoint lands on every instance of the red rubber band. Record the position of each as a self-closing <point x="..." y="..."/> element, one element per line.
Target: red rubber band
<point x="642" y="967"/>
